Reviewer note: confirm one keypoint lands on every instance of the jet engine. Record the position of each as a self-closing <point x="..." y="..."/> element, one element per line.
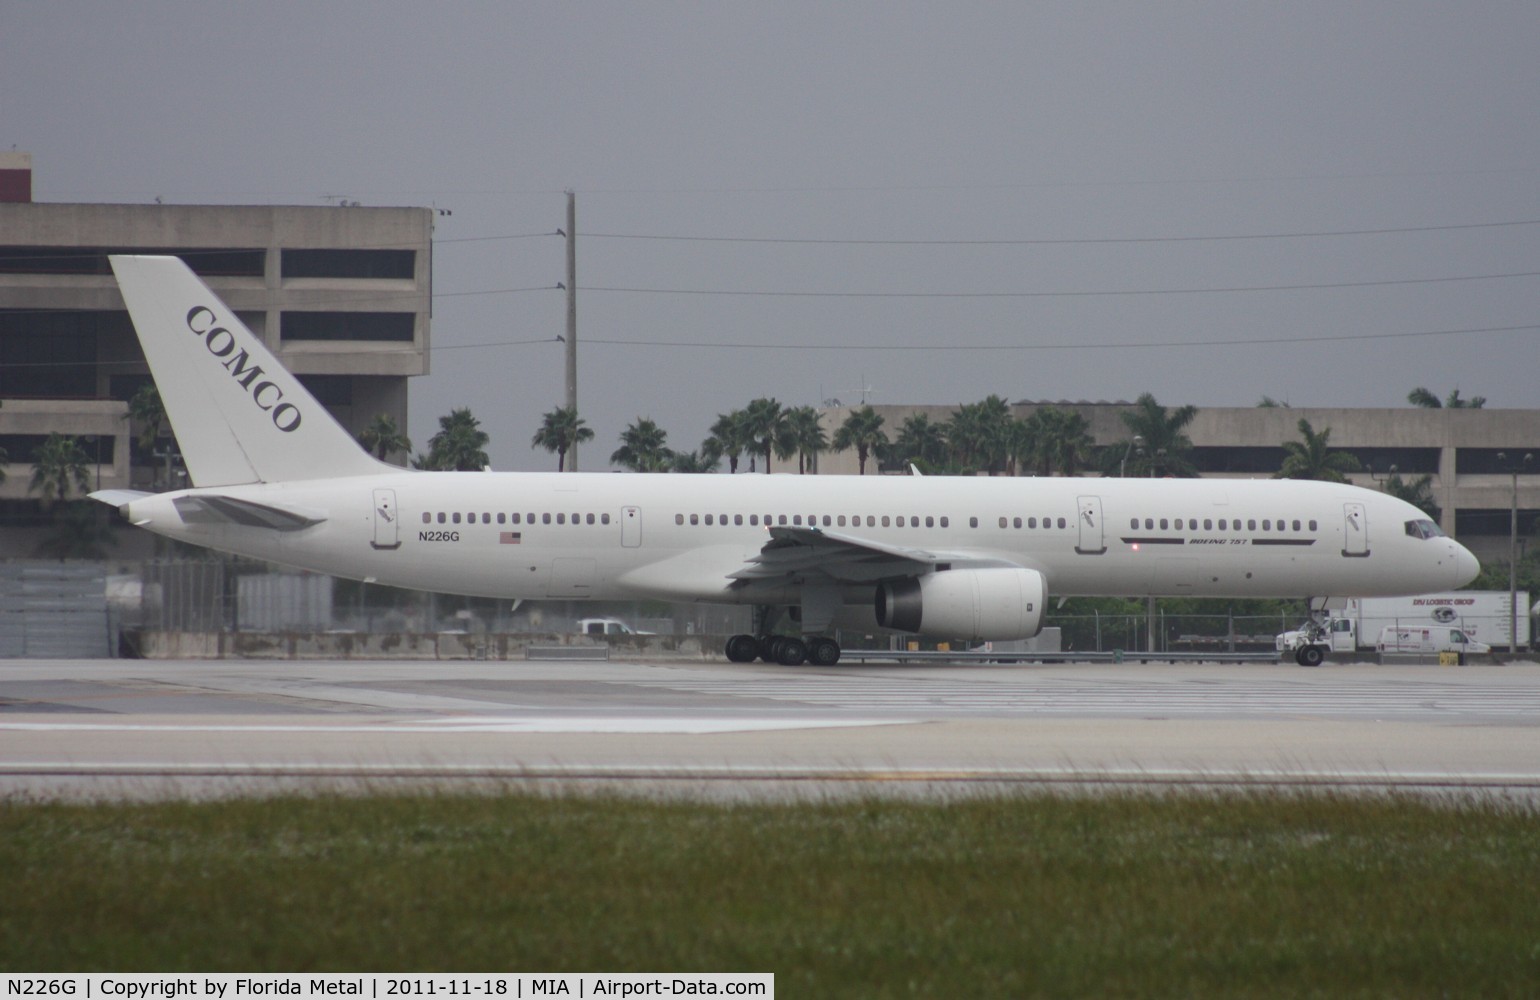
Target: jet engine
<point x="978" y="604"/>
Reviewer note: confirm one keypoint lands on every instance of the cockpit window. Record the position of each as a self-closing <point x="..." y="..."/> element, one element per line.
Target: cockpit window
<point x="1424" y="529"/>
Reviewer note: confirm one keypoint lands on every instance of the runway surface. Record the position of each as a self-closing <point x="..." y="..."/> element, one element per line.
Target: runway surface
<point x="134" y="728"/>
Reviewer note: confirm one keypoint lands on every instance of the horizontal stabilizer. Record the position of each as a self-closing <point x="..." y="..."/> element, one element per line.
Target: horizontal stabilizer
<point x="118" y="498"/>
<point x="208" y="508"/>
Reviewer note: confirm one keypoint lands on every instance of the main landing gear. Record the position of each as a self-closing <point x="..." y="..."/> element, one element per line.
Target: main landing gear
<point x="787" y="650"/>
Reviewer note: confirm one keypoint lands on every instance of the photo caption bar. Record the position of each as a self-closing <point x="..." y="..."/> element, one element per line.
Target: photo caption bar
<point x="383" y="986"/>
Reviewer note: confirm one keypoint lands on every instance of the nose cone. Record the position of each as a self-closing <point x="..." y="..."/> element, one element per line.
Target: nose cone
<point x="1466" y="566"/>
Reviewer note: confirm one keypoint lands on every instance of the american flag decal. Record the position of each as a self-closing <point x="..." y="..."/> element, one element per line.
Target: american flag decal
<point x="509" y="537"/>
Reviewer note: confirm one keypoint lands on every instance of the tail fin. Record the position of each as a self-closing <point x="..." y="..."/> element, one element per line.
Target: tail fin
<point x="239" y="416"/>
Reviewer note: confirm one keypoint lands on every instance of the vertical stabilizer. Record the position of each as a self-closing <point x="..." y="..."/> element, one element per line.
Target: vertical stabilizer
<point x="239" y="416"/>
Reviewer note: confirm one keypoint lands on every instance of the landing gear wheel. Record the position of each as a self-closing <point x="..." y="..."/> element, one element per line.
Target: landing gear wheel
<point x="791" y="652"/>
<point x="1309" y="656"/>
<point x="770" y="648"/>
<point x="823" y="652"/>
<point x="743" y="649"/>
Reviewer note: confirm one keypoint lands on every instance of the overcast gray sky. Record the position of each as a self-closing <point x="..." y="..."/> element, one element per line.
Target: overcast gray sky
<point x="1024" y="185"/>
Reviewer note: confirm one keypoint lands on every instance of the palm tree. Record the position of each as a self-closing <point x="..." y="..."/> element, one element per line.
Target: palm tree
<point x="560" y="430"/>
<point x="862" y="430"/>
<point x="643" y="447"/>
<point x="148" y="413"/>
<point x="693" y="461"/>
<point x="921" y="442"/>
<point x="1059" y="441"/>
<point x="1166" y="450"/>
<point x="1423" y="397"/>
<point x="58" y="467"/>
<point x="460" y="443"/>
<point x="728" y="438"/>
<point x="983" y="434"/>
<point x="382" y="436"/>
<point x="1418" y="492"/>
<point x="763" y="424"/>
<point x="806" y="434"/>
<point x="1314" y="459"/>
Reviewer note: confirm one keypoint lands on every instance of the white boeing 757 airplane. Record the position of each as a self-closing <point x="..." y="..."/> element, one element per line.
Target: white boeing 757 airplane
<point x="277" y="478"/>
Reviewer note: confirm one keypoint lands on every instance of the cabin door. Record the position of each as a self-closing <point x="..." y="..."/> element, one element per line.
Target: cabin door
<point x="386" y="523"/>
<point x="630" y="527"/>
<point x="1093" y="540"/>
<point x="1355" y="531"/>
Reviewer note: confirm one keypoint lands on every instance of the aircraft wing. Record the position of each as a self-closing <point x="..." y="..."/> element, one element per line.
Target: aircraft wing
<point x="846" y="558"/>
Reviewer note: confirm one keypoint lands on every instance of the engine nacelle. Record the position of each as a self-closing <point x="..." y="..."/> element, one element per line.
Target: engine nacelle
<point x="976" y="604"/>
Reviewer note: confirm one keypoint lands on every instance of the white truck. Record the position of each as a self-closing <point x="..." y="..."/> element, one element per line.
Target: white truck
<point x="606" y="626"/>
<point x="1482" y="615"/>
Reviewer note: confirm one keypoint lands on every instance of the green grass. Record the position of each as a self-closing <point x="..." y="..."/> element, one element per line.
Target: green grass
<point x="1122" y="895"/>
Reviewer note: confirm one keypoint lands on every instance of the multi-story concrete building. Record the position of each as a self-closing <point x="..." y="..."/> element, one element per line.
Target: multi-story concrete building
<point x="341" y="294"/>
<point x="1471" y="455"/>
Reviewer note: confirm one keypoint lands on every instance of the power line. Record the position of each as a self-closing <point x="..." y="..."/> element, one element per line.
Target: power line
<point x="1072" y="346"/>
<point x="1069" y="241"/>
<point x="950" y="346"/>
<point x="1071" y="294"/>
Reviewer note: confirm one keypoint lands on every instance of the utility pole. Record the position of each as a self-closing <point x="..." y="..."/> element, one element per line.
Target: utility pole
<point x="572" y="318"/>
<point x="1513" y="468"/>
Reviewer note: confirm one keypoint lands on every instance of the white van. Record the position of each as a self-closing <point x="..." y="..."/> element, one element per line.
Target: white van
<point x="1402" y="639"/>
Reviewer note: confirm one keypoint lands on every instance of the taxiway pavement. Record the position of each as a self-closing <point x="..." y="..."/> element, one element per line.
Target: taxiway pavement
<point x="136" y="728"/>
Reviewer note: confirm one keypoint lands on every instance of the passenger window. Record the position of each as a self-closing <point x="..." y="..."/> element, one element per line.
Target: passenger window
<point x="841" y="521"/>
<point x="946" y="522"/>
<point x="1162" y="524"/>
<point x="561" y="518"/>
<point x="1251" y="524"/>
<point x="604" y="519"/>
<point x="427" y="518"/>
<point x="783" y="519"/>
<point x="738" y="520"/>
<point x="871" y="521"/>
<point x="695" y="519"/>
<point x="827" y="521"/>
<point x="973" y="522"/>
<point x="1149" y="524"/>
<point x="1296" y="525"/>
<point x="588" y="518"/>
<point x="678" y="518"/>
<point x="1223" y="524"/>
<point x="930" y="522"/>
<point x="1002" y="522"/>
<point x="456" y="517"/>
<point x="1063" y="523"/>
<point x="1266" y="525"/>
<point x="1208" y="525"/>
<point x="1312" y="526"/>
<point x="884" y="520"/>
